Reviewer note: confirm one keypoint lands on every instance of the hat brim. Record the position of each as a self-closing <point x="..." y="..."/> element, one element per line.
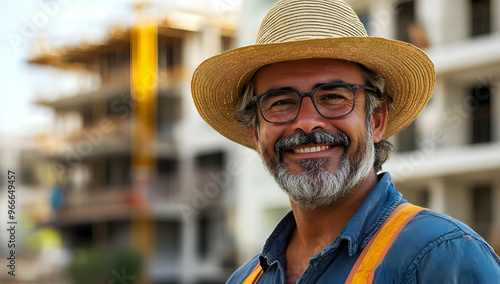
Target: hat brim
<point x="409" y="75"/>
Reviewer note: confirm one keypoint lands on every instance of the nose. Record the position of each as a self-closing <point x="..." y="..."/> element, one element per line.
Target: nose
<point x="308" y="119"/>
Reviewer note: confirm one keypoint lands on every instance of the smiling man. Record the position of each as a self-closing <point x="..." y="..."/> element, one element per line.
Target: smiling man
<point x="316" y="160"/>
<point x="317" y="98"/>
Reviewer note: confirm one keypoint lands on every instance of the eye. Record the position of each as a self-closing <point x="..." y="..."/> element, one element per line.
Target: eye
<point x="279" y="101"/>
<point x="333" y="94"/>
<point x="331" y="97"/>
<point x="282" y="102"/>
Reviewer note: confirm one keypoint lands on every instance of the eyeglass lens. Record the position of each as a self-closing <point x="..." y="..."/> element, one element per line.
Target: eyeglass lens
<point x="284" y="105"/>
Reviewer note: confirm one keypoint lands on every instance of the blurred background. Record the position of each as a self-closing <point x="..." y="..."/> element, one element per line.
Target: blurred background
<point x="118" y="180"/>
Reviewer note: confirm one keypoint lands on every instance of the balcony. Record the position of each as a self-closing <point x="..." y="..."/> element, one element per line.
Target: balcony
<point x="96" y="205"/>
<point x="106" y="136"/>
<point x="424" y="164"/>
<point x="85" y="94"/>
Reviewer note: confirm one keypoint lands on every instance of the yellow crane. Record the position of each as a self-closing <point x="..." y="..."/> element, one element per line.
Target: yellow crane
<point x="144" y="131"/>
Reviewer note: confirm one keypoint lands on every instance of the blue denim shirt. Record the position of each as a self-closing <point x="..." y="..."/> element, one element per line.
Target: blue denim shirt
<point x="432" y="248"/>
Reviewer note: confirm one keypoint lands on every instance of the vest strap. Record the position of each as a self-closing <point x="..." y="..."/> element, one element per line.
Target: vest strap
<point x="374" y="253"/>
<point x="254" y="276"/>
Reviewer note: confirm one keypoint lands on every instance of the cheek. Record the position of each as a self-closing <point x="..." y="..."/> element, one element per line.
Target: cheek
<point x="354" y="127"/>
<point x="269" y="134"/>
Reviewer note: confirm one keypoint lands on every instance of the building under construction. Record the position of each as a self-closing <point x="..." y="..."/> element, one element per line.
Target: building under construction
<point x="135" y="167"/>
<point x="448" y="159"/>
<point x="203" y="216"/>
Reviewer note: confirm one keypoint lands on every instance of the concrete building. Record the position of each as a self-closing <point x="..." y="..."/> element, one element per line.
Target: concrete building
<point x="212" y="202"/>
<point x="180" y="218"/>
<point x="26" y="201"/>
<point x="449" y="158"/>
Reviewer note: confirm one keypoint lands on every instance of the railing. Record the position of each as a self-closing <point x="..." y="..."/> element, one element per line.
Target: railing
<point x="116" y="75"/>
<point x="115" y="126"/>
<point x="96" y="203"/>
<point x="113" y="130"/>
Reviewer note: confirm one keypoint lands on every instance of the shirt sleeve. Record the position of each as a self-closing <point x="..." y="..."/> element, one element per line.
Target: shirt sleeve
<point x="464" y="259"/>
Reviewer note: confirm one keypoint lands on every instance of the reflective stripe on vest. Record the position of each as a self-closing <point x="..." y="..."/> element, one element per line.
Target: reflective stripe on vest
<point x="254" y="276"/>
<point x="374" y="253"/>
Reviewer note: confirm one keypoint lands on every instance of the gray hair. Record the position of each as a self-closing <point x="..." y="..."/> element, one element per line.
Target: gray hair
<point x="246" y="111"/>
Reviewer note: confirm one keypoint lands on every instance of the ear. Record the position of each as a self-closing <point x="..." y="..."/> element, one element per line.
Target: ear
<point x="255" y="136"/>
<point x="379" y="121"/>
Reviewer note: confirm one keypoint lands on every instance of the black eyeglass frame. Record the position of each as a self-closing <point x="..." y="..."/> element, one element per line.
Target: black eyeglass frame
<point x="353" y="87"/>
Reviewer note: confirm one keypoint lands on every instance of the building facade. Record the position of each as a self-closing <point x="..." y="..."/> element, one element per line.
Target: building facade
<point x="448" y="159"/>
<point x="177" y="209"/>
<point x="212" y="204"/>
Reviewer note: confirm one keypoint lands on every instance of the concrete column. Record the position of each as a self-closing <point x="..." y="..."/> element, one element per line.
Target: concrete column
<point x="188" y="254"/>
<point x="382" y="18"/>
<point x="458" y="202"/>
<point x="431" y="125"/>
<point x="494" y="237"/>
<point x="211" y="38"/>
<point x="495" y="16"/>
<point x="437" y="192"/>
<point x="495" y="106"/>
<point x="456" y="115"/>
<point x="187" y="176"/>
<point x="429" y="15"/>
<point x="455" y="19"/>
<point x="249" y="207"/>
<point x="445" y="21"/>
<point x="192" y="54"/>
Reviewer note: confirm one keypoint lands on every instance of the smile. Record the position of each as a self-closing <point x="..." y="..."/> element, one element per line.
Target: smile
<point x="311" y="149"/>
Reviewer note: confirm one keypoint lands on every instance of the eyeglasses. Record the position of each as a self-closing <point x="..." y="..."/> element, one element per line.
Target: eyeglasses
<point x="330" y="100"/>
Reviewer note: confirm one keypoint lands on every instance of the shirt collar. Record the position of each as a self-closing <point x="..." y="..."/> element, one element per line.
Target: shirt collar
<point x="374" y="210"/>
<point x="372" y="213"/>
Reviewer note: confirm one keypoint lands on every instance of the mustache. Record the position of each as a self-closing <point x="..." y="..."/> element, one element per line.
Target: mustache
<point x="317" y="137"/>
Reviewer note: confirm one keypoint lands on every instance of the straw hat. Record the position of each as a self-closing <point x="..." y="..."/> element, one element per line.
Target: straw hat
<point x="302" y="29"/>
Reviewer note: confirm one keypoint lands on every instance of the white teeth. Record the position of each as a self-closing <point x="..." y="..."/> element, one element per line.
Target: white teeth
<point x="311" y="149"/>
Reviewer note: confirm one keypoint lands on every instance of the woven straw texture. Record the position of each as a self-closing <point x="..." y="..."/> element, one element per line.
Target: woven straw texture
<point x="302" y="29"/>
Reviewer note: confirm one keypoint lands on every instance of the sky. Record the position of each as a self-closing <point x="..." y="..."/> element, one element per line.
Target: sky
<point x="60" y="23"/>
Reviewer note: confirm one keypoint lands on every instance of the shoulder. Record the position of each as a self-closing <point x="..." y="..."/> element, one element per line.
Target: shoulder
<point x="243" y="271"/>
<point x="430" y="225"/>
<point x="435" y="246"/>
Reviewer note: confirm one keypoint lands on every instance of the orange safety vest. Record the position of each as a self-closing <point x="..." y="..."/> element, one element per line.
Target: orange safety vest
<point x="374" y="253"/>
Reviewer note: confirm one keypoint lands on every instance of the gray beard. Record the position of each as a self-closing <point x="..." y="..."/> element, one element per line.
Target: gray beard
<point x="315" y="186"/>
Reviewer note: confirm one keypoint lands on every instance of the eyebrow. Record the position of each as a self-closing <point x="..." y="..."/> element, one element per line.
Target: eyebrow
<point x="334" y="81"/>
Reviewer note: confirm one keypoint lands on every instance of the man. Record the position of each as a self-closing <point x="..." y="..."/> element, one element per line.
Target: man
<point x="317" y="98"/>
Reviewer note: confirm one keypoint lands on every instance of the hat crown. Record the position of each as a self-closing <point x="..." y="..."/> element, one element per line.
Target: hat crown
<point x="293" y="20"/>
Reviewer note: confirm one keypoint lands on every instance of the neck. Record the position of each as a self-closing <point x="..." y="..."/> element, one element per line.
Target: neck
<point x="316" y="228"/>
